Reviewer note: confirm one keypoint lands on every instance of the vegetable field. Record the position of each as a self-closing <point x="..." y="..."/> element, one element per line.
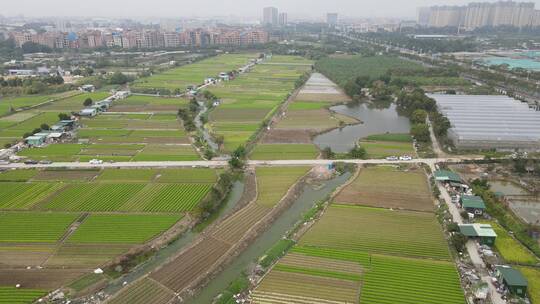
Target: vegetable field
<point x="273" y="183"/>
<point x="34" y="227"/>
<point x="12" y="295"/>
<point x="366" y="255"/>
<point x="121" y="228"/>
<point x="399" y="280"/>
<point x="252" y="98"/>
<point x="414" y="234"/>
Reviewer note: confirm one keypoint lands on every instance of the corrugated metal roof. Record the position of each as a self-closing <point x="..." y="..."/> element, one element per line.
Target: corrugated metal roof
<point x="470" y="201"/>
<point x="511" y="276"/>
<point x="447" y="175"/>
<point x="477" y="230"/>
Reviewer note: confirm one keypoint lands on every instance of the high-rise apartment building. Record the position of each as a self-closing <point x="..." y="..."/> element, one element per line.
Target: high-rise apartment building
<point x="475" y="15"/>
<point x="331" y="18"/>
<point x="422" y="15"/>
<point x="270" y="16"/>
<point x="283" y="19"/>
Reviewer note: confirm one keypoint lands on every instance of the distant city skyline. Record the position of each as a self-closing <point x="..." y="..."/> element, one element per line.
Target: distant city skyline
<point x="209" y="8"/>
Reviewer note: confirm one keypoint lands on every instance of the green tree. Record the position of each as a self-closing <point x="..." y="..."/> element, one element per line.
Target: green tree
<point x="63" y="116"/>
<point x="358" y="152"/>
<point x="45" y="127"/>
<point x="419" y="116"/>
<point x="420" y="132"/>
<point x="88" y="102"/>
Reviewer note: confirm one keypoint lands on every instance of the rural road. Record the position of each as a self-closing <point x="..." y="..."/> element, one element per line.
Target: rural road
<point x="471" y="247"/>
<point x="223" y="163"/>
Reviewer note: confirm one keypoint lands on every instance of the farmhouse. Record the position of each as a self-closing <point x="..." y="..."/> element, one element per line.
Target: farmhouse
<point x="483" y="232"/>
<point x="447" y="176"/>
<point x="35" y="140"/>
<point x="512" y="279"/>
<point x="88" y="88"/>
<point x="224" y="76"/>
<point x="89" y="112"/>
<point x="473" y="204"/>
<point x="450" y="178"/>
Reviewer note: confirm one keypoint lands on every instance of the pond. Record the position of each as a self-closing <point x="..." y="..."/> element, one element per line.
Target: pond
<point x="528" y="210"/>
<point x="507" y="188"/>
<point x="374" y="121"/>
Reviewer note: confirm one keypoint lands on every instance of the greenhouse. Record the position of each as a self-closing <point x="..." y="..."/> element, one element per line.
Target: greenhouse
<point x="490" y="122"/>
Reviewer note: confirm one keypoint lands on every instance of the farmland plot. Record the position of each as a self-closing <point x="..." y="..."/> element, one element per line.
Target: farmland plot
<point x="121" y="228"/>
<point x="84" y="255"/>
<point x="15" y="196"/>
<point x="143" y="292"/>
<point x="34" y="227"/>
<point x="383" y="231"/>
<point x="411" y="281"/>
<point x="93" y="197"/>
<point x="273" y="183"/>
<point x="12" y="295"/>
<point x="286" y="287"/>
<point x="251" y="98"/>
<point x="38" y="278"/>
<point x="284" y="151"/>
<point x="194" y="74"/>
<point x="17" y="175"/>
<point x="390" y="188"/>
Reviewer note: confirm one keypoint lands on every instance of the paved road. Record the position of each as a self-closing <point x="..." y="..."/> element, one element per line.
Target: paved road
<point x="223" y="163"/>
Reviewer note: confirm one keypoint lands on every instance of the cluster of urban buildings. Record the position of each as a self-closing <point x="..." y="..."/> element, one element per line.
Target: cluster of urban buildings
<point x="143" y="39"/>
<point x="272" y="17"/>
<point x="481" y="14"/>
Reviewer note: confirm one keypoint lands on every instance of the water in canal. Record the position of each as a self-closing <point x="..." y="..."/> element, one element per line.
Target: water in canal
<point x="286" y="221"/>
<point x="374" y="121"/>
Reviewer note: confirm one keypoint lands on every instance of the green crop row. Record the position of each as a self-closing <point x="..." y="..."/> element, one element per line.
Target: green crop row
<point x="121" y="228"/>
<point x="12" y="295"/>
<point x="129" y="197"/>
<point x="33" y="226"/>
<point x="318" y="272"/>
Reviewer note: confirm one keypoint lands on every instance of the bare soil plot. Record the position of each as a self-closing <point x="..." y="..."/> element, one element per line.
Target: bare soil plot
<point x="66" y="175"/>
<point x="388" y="187"/>
<point x="143" y="292"/>
<point x="18" y="255"/>
<point x="85" y="255"/>
<point x="234" y="227"/>
<point x="39" y="278"/>
<point x="279" y="136"/>
<point x="197" y="260"/>
<point x="285" y="287"/>
<point x="284" y="151"/>
<point x="316" y="120"/>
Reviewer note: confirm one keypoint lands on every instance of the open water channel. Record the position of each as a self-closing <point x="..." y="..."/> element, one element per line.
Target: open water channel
<point x="284" y="223"/>
<point x="374" y="121"/>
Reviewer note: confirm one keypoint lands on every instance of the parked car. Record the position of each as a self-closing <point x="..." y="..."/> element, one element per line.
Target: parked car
<point x="392" y="158"/>
<point x="30" y="162"/>
<point x="96" y="162"/>
<point x="45" y="162"/>
<point x="405" y="157"/>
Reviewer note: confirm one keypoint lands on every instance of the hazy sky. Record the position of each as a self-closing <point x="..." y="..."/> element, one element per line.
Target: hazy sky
<point x="183" y="8"/>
